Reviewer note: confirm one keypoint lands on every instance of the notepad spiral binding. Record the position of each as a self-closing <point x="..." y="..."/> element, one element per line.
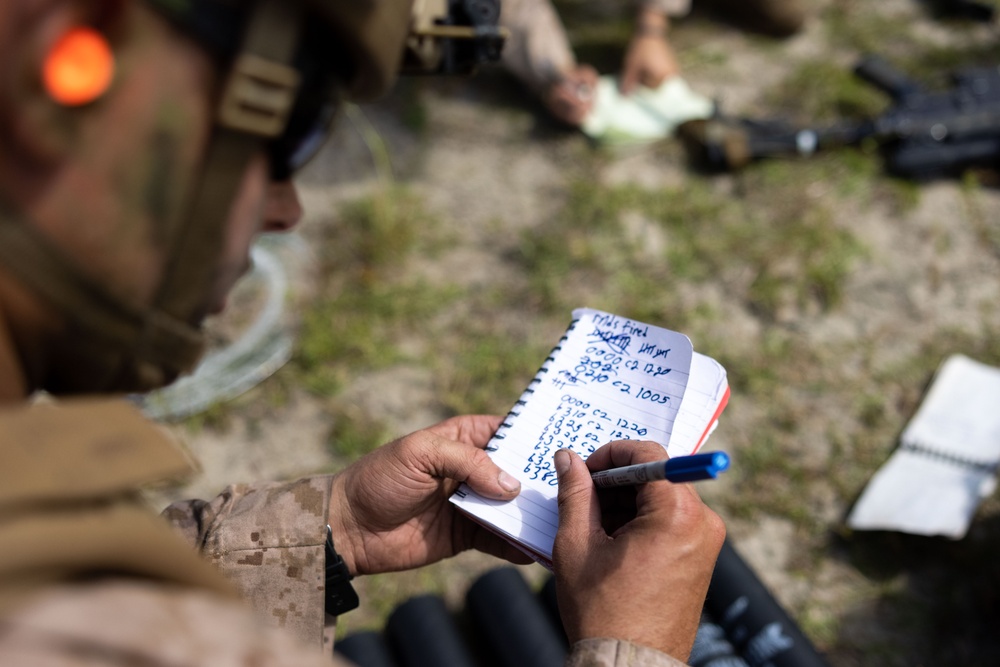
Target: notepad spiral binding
<point x="953" y="459"/>
<point x="514" y="412"/>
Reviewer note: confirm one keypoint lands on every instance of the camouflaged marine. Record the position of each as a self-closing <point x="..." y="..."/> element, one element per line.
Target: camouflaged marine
<point x="143" y="145"/>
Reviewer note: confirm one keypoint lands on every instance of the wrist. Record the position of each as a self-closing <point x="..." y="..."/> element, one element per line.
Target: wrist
<point x="650" y="22"/>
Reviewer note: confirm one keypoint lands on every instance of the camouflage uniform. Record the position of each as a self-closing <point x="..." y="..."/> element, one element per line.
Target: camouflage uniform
<point x="538" y="50"/>
<point x="89" y="576"/>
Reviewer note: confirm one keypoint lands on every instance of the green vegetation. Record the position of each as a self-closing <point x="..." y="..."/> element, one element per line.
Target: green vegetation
<point x="366" y="302"/>
<point x="821" y="91"/>
<point x="789" y="244"/>
<point x="354" y="433"/>
<point x="487" y="372"/>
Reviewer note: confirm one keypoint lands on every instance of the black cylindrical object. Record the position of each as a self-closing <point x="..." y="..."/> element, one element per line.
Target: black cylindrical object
<point x="550" y="602"/>
<point x="366" y="649"/>
<point x="512" y="621"/>
<point x="754" y="622"/>
<point x="422" y="633"/>
<point x="712" y="648"/>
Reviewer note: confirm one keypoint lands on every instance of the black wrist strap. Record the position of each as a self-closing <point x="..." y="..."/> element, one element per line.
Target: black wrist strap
<point x="340" y="594"/>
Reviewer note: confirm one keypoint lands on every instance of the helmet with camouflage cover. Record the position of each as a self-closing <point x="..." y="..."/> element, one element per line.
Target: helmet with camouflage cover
<point x="369" y="32"/>
<point x="285" y="65"/>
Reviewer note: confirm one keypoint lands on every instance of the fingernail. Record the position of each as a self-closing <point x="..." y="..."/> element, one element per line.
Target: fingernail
<point x="508" y="481"/>
<point x="562" y="461"/>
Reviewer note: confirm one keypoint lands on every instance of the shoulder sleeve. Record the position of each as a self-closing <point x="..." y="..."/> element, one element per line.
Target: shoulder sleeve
<point x="617" y="653"/>
<point x="268" y="539"/>
<point x="117" y="622"/>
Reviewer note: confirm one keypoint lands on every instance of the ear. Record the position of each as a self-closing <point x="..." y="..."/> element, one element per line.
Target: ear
<point x="44" y="128"/>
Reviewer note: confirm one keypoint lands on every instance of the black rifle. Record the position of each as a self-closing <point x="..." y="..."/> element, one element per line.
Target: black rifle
<point x="923" y="134"/>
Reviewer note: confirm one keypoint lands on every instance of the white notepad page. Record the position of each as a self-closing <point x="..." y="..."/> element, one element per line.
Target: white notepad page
<point x="960" y="416"/>
<point x="610" y="378"/>
<point x="947" y="460"/>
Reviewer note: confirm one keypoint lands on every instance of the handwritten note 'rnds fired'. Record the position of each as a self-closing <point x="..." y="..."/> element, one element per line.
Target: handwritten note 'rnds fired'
<point x="630" y="372"/>
<point x="609" y="378"/>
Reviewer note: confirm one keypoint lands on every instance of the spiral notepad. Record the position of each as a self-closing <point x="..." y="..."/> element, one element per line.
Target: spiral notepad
<point x="608" y="378"/>
<point x="947" y="459"/>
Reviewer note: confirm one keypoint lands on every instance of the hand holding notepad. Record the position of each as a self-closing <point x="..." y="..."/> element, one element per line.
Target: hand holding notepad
<point x="609" y="378"/>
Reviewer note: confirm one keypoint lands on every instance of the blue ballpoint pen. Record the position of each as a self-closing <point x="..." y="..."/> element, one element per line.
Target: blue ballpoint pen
<point x="678" y="469"/>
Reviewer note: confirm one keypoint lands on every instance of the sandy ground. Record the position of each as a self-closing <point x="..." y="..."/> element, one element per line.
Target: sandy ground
<point x="487" y="160"/>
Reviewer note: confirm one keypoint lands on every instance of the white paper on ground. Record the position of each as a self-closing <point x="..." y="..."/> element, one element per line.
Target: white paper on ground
<point x="947" y="460"/>
<point x="645" y="115"/>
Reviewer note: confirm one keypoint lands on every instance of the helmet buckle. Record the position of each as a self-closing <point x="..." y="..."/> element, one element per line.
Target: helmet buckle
<point x="259" y="96"/>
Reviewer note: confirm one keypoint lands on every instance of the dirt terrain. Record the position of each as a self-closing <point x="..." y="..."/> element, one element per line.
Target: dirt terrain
<point x="830" y="291"/>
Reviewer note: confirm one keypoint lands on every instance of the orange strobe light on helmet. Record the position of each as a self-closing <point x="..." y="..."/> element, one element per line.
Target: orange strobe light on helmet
<point x="79" y="68"/>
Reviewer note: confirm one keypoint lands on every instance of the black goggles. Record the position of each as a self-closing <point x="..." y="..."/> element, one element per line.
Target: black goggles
<point x="302" y="139"/>
<point x="323" y="68"/>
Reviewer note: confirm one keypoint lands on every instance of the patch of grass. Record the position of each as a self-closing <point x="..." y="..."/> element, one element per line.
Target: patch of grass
<point x="375" y="235"/>
<point x="354" y="434"/>
<point x="774" y="232"/>
<point x="767" y="481"/>
<point x="651" y="296"/>
<point x="871" y="410"/>
<point x="216" y="417"/>
<point x="987" y="228"/>
<point x="348" y="332"/>
<point x="365" y="301"/>
<point x="702" y="57"/>
<point x="360" y="330"/>
<point x="981" y="344"/>
<point x="821" y="91"/>
<point x="858" y="27"/>
<point x="820" y="625"/>
<point x="367" y="305"/>
<point x="488" y="372"/>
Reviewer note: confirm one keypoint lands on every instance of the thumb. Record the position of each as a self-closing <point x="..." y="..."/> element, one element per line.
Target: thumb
<point x="465" y="463"/>
<point x="579" y="511"/>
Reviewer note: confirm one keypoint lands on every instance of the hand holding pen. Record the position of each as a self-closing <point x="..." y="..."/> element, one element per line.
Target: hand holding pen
<point x="633" y="561"/>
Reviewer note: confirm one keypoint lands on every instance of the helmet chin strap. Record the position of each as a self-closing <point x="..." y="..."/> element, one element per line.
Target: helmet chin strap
<point x="257" y="99"/>
<point x="99" y="347"/>
<point x="111" y="344"/>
